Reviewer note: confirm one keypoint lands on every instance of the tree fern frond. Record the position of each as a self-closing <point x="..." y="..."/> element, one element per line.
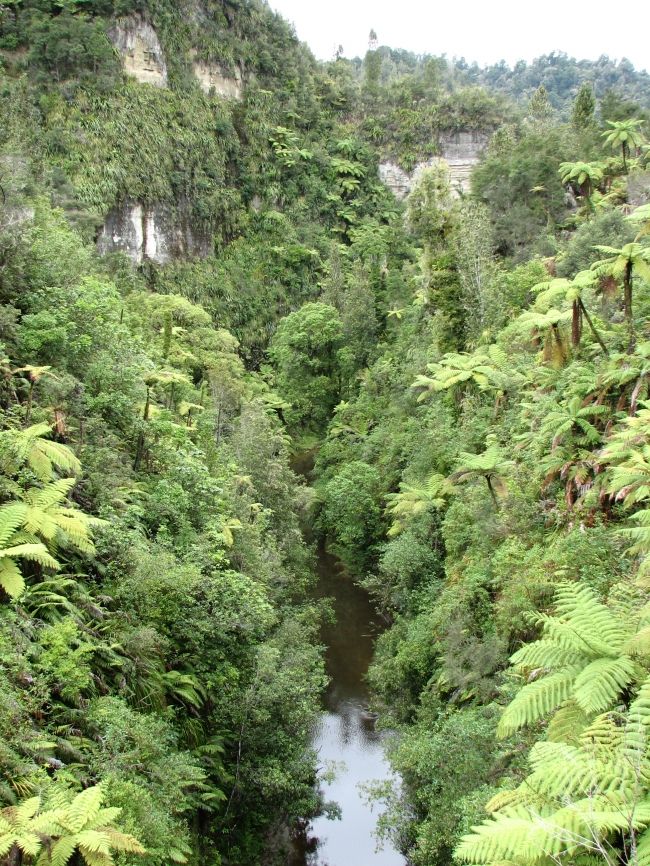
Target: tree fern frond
<point x="11" y="580"/>
<point x="34" y="552"/>
<point x="598" y="686"/>
<point x="11" y="518"/>
<point x="537" y="699"/>
<point x="545" y="653"/>
<point x="582" y="608"/>
<point x="124" y="841"/>
<point x="95" y="841"/>
<point x="567" y="724"/>
<point x="643" y="849"/>
<point x="62" y="851"/>
<point x="84" y="808"/>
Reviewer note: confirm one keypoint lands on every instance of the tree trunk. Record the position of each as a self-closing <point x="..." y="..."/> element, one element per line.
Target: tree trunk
<point x="139" y="448"/>
<point x="560" y="344"/>
<point x="592" y="327"/>
<point x="30" y="397"/>
<point x="575" y="324"/>
<point x="492" y="492"/>
<point x="627" y="300"/>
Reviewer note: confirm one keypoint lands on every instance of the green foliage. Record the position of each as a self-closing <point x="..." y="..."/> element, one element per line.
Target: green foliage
<point x="305" y="352"/>
<point x="584" y="106"/>
<point x="71" y="824"/>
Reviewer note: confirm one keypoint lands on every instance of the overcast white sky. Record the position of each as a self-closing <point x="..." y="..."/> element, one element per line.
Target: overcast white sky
<point x="482" y="30"/>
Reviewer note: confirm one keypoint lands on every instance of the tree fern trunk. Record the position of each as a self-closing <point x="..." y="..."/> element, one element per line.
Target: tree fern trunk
<point x="492" y="492"/>
<point x="627" y="300"/>
<point x="592" y="328"/>
<point x="575" y="324"/>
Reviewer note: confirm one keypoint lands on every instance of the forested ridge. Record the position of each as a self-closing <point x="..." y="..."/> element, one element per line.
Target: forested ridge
<point x="470" y="368"/>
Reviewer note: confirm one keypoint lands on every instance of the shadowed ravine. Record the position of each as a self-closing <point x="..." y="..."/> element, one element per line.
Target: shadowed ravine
<point x="345" y="736"/>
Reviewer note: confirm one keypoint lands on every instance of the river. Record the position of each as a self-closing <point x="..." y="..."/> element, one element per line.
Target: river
<point x="345" y="737"/>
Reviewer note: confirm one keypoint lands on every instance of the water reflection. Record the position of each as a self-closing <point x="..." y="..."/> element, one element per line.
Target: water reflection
<point x="345" y="737"/>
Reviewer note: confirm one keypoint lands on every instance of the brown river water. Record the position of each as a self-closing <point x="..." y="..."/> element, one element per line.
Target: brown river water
<point x="345" y="737"/>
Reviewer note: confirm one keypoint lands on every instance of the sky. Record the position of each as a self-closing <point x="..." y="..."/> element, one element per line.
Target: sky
<point x="483" y="30"/>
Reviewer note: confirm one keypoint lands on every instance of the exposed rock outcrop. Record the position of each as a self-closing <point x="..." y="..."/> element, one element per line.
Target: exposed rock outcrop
<point x="460" y="151"/>
<point x="213" y="77"/>
<point x="140" y="48"/>
<point x="158" y="233"/>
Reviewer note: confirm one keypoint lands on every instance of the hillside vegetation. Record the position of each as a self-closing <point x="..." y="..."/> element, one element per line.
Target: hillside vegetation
<point x="472" y="370"/>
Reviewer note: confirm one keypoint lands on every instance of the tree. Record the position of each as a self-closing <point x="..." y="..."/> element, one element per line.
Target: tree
<point x="584" y="106"/>
<point x="305" y="353"/>
<point x="429" y="207"/>
<point x="52" y="836"/>
<point x="549" y="326"/>
<point x="623" y="263"/>
<point x="586" y="794"/>
<point x="540" y="105"/>
<point x="488" y="370"/>
<point x="42" y="456"/>
<point x="490" y="465"/>
<point x="623" y="135"/>
<point x="583" y="176"/>
<point x="627" y="457"/>
<point x="572" y="291"/>
<point x="14" y="547"/>
<point x="474" y="243"/>
<point x="414" y="499"/>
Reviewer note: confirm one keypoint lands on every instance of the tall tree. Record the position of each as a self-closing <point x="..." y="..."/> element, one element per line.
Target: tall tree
<point x="584" y="106"/>
<point x="624" y="134"/>
<point x="622" y="264"/>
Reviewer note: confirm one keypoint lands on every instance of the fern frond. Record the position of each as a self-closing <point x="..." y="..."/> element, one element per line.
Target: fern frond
<point x="11" y="518"/>
<point x="567" y="724"/>
<point x="124" y="841"/>
<point x="84" y="808"/>
<point x="643" y="849"/>
<point x="537" y="699"/>
<point x="581" y="607"/>
<point x="11" y="580"/>
<point x="545" y="653"/>
<point x="598" y="686"/>
<point x="34" y="552"/>
<point x="62" y="851"/>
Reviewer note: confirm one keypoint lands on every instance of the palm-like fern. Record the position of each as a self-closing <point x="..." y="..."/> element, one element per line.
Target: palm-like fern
<point x="30" y="447"/>
<point x="51" y="837"/>
<point x="581" y="659"/>
<point x="589" y="782"/>
<point x="415" y="499"/>
<point x="547" y="325"/>
<point x="14" y="547"/>
<point x="33" y="527"/>
<point x="572" y="291"/>
<point x="487" y="369"/>
<point x="490" y="465"/>
<point x="47" y="515"/>
<point x="628" y="475"/>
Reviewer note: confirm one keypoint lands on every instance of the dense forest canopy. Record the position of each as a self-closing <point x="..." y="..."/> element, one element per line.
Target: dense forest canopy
<point x="471" y="367"/>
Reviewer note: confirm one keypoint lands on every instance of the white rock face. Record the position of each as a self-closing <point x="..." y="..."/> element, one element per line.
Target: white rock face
<point x="459" y="151"/>
<point x="211" y="76"/>
<point x="155" y="233"/>
<point x="395" y="178"/>
<point x="142" y="55"/>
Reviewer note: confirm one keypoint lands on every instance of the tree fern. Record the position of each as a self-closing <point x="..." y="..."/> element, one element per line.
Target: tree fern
<point x="580" y="659"/>
<point x="589" y="780"/>
<point x="13" y="549"/>
<point x="54" y="835"/>
<point x="30" y="447"/>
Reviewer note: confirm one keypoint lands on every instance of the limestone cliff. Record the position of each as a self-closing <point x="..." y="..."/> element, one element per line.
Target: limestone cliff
<point x="212" y="77"/>
<point x="140" y="48"/>
<point x="460" y="151"/>
<point x="157" y="233"/>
